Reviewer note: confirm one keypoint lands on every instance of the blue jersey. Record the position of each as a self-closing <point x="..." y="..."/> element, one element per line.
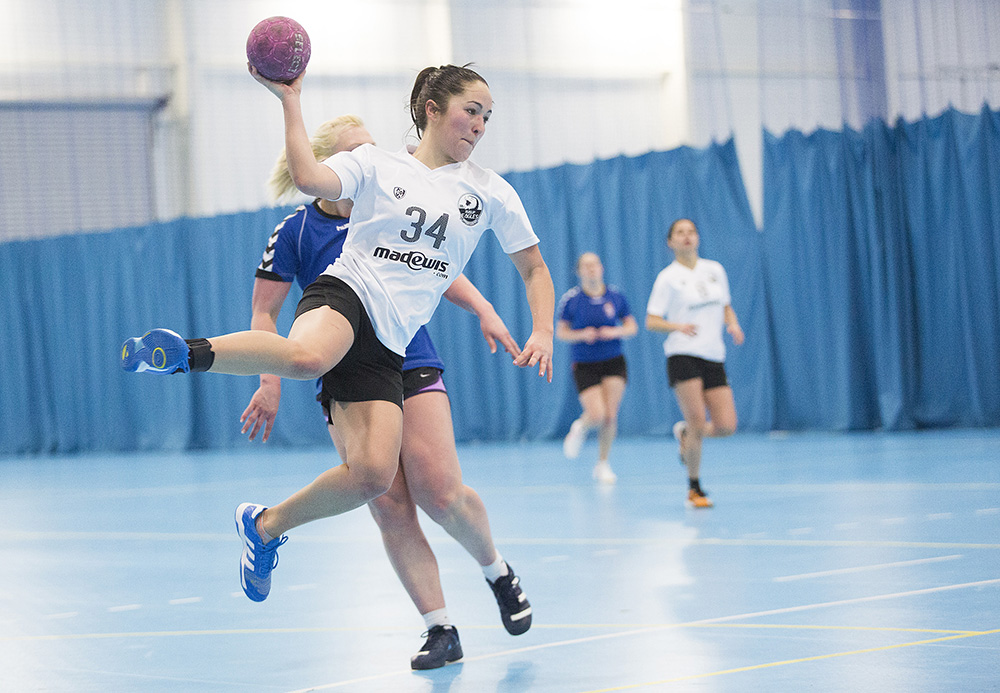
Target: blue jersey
<point x="581" y="310"/>
<point x="308" y="241"/>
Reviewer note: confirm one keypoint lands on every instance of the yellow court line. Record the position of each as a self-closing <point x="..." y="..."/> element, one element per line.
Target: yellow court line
<point x="792" y="661"/>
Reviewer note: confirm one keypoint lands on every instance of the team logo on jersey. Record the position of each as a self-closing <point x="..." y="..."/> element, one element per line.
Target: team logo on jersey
<point x="413" y="259"/>
<point x="609" y="309"/>
<point x="470" y="208"/>
<point x="399" y="192"/>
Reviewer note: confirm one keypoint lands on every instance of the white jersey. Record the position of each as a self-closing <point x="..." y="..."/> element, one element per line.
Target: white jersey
<point x="413" y="230"/>
<point x="698" y="296"/>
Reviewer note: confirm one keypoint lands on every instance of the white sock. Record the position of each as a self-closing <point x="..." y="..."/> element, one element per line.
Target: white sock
<point x="438" y="617"/>
<point x="496" y="569"/>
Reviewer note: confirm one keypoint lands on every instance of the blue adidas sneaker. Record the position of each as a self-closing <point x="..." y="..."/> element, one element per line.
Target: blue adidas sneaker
<point x="157" y="351"/>
<point x="258" y="559"/>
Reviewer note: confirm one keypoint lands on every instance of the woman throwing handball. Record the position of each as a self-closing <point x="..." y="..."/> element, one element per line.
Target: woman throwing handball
<point x="690" y="301"/>
<point x="418" y="215"/>
<point x="429" y="475"/>
<point x="594" y="318"/>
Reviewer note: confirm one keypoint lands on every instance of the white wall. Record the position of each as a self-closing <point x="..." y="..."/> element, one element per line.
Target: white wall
<point x="572" y="80"/>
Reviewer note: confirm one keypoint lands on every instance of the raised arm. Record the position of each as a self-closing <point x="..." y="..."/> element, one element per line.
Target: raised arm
<point x="309" y="176"/>
<point x="464" y="294"/>
<point x="542" y="302"/>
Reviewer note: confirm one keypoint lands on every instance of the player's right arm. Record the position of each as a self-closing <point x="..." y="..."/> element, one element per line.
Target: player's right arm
<point x="268" y="297"/>
<point x="309" y="176"/>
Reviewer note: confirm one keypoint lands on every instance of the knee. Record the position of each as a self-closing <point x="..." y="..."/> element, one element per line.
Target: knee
<point x="595" y="415"/>
<point x="610" y="419"/>
<point x="725" y="429"/>
<point x="305" y="364"/>
<point x="696" y="429"/>
<point x="372" y="481"/>
<point x="441" y="503"/>
<point x="390" y="512"/>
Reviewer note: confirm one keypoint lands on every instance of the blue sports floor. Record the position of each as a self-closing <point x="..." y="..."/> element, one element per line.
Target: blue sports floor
<point x="830" y="563"/>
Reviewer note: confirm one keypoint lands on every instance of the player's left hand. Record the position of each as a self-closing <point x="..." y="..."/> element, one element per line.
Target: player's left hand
<point x="494" y="330"/>
<point x="537" y="351"/>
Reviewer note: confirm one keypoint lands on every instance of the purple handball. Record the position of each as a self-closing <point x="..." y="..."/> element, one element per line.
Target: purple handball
<point x="279" y="48"/>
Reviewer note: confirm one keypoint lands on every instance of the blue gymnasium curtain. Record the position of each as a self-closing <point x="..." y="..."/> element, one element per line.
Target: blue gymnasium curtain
<point x="619" y="208"/>
<point x="66" y="305"/>
<point x="883" y="267"/>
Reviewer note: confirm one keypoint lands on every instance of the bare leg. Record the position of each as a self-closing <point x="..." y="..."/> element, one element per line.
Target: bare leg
<point x="434" y="477"/>
<point x="316" y="343"/>
<point x="594" y="407"/>
<point x="721" y="412"/>
<point x="406" y="545"/>
<point x="612" y="389"/>
<point x="371" y="434"/>
<point x="694" y="400"/>
<point x="691" y="398"/>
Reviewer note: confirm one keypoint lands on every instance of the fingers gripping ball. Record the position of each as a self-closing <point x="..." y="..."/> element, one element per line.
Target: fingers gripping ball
<point x="279" y="48"/>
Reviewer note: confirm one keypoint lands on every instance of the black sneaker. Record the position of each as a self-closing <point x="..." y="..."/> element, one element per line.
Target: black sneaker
<point x="442" y="647"/>
<point x="514" y="607"/>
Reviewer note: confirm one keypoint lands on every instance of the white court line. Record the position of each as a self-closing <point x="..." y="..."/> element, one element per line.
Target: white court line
<point x="124" y="607"/>
<point x="184" y="600"/>
<point x="862" y="568"/>
<point x="653" y="629"/>
<point x="554" y="559"/>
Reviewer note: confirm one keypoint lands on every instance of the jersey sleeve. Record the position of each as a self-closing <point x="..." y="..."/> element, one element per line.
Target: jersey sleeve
<point x="659" y="297"/>
<point x="280" y="261"/>
<point x="563" y="310"/>
<point x="623" y="308"/>
<point x="351" y="168"/>
<point x="509" y="222"/>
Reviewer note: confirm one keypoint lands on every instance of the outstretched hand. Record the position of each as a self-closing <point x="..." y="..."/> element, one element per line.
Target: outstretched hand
<point x="494" y="330"/>
<point x="537" y="351"/>
<point x="261" y="412"/>
<point x="279" y="89"/>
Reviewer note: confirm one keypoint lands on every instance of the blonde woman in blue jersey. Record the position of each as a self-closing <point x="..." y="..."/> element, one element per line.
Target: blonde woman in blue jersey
<point x="690" y="302"/>
<point x="429" y="475"/>
<point x="594" y="318"/>
<point x="418" y="215"/>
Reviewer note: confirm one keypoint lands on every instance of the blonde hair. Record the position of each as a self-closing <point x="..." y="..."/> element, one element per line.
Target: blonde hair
<point x="324" y="145"/>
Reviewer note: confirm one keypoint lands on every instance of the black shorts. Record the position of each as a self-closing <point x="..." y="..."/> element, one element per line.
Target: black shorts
<point x="590" y="373"/>
<point x="681" y="367"/>
<point x="415" y="381"/>
<point x="369" y="370"/>
<point x="423" y="379"/>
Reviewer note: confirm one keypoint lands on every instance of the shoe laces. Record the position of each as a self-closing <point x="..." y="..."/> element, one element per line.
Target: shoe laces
<point x="506" y="589"/>
<point x="269" y="554"/>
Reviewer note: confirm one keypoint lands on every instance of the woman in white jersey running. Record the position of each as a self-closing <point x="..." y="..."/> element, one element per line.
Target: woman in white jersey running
<point x="418" y="215"/>
<point x="690" y="301"/>
<point x="429" y="475"/>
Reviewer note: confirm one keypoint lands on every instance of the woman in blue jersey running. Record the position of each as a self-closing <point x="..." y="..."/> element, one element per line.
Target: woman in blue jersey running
<point x="301" y="247"/>
<point x="418" y="215"/>
<point x="595" y="318"/>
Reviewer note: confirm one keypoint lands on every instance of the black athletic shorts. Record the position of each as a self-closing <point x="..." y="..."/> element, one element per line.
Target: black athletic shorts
<point x="681" y="367"/>
<point x="590" y="373"/>
<point x="415" y="381"/>
<point x="369" y="370"/>
<point x="423" y="379"/>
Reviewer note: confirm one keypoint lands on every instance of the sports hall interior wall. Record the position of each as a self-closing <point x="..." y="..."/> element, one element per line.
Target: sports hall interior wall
<point x="869" y="301"/>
